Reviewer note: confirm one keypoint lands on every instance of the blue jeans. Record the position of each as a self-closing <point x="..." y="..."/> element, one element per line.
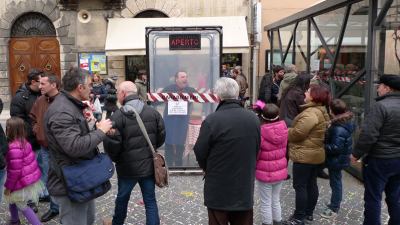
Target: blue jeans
<point x="335" y="181"/>
<point x="44" y="158"/>
<point x="2" y="174"/>
<point x="147" y="187"/>
<point x="381" y="175"/>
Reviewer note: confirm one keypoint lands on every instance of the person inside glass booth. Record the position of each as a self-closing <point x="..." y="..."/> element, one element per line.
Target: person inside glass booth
<point x="176" y="118"/>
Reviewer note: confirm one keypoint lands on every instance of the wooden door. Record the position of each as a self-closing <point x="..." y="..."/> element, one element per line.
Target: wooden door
<point x="32" y="52"/>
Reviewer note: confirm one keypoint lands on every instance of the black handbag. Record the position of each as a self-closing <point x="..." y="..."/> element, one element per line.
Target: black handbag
<point x="88" y="179"/>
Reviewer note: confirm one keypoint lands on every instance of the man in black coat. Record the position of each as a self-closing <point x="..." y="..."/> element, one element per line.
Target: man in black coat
<point x="22" y="102"/>
<point x="379" y="145"/>
<point x="134" y="159"/>
<point x="226" y="150"/>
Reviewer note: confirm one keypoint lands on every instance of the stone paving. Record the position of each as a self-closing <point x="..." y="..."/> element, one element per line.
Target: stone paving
<point x="182" y="203"/>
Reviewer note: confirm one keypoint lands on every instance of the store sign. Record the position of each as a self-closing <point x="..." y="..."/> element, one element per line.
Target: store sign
<point x="184" y="42"/>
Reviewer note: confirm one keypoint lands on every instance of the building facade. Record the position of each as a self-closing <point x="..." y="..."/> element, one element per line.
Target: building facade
<point x="55" y="34"/>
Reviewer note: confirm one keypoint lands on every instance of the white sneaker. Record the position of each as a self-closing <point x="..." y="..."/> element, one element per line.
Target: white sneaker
<point x="328" y="214"/>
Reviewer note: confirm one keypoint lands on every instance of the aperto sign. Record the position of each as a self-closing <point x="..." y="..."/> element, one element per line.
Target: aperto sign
<point x="184" y="42"/>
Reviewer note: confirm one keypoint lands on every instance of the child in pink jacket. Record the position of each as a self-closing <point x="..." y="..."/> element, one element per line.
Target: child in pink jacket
<point x="23" y="173"/>
<point x="271" y="167"/>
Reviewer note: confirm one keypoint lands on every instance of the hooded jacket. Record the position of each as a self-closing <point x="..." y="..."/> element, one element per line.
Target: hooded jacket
<point x="339" y="141"/>
<point x="271" y="161"/>
<point x="134" y="159"/>
<point x="306" y="137"/>
<point x="22" y="167"/>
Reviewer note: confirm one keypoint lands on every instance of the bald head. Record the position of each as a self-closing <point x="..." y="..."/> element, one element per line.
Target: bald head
<point x="125" y="89"/>
<point x="128" y="86"/>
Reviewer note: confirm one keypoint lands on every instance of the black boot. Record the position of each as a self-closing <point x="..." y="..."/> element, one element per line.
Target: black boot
<point x="48" y="216"/>
<point x="33" y="206"/>
<point x="322" y="174"/>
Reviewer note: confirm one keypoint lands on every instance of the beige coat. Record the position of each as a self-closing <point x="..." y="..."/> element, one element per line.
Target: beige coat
<point x="306" y="137"/>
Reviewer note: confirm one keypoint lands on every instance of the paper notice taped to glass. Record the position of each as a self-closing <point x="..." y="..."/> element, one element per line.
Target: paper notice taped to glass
<point x="177" y="108"/>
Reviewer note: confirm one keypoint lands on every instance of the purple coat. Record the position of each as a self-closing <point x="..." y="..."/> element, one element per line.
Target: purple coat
<point x="22" y="167"/>
<point x="271" y="162"/>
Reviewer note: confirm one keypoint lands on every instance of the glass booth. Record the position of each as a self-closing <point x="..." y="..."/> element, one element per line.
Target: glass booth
<point x="183" y="66"/>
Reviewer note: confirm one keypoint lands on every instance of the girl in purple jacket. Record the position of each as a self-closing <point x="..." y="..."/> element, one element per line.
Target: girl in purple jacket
<point x="23" y="173"/>
<point x="271" y="167"/>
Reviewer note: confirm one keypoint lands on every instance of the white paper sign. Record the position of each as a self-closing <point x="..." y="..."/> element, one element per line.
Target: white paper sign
<point x="314" y="65"/>
<point x="177" y="108"/>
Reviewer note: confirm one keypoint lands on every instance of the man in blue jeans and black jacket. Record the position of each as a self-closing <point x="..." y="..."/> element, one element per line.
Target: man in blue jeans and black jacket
<point x="134" y="159"/>
<point x="379" y="145"/>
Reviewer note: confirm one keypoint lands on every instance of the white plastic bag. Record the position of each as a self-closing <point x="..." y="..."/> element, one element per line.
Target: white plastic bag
<point x="97" y="106"/>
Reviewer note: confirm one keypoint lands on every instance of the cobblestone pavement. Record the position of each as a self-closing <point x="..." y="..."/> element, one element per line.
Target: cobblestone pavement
<point x="182" y="203"/>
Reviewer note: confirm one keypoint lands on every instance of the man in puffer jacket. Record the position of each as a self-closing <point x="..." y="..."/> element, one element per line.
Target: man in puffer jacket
<point x="338" y="147"/>
<point x="134" y="159"/>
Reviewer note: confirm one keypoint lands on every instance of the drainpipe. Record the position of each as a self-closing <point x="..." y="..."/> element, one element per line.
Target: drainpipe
<point x="256" y="22"/>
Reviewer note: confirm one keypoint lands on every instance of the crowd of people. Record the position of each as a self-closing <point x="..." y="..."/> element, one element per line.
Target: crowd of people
<point x="295" y="120"/>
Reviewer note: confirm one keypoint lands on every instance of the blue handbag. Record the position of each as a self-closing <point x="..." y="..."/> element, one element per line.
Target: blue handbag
<point x="88" y="179"/>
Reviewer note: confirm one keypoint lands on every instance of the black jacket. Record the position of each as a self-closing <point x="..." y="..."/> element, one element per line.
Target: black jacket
<point x="134" y="159"/>
<point x="339" y="142"/>
<point x="380" y="132"/>
<point x="69" y="137"/>
<point x="3" y="148"/>
<point x="290" y="105"/>
<point x="265" y="91"/>
<point x="226" y="150"/>
<point x="21" y="106"/>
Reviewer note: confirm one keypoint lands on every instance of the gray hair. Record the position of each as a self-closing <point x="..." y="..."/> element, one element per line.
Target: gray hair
<point x="290" y="68"/>
<point x="226" y="88"/>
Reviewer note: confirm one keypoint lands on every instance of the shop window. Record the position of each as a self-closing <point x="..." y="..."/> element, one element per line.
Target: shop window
<point x="232" y="60"/>
<point x="134" y="63"/>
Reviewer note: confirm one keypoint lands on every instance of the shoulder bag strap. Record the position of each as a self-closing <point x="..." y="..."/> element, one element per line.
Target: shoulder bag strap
<point x="143" y="129"/>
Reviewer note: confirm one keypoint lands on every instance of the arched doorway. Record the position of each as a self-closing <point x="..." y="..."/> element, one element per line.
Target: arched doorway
<point x="33" y="44"/>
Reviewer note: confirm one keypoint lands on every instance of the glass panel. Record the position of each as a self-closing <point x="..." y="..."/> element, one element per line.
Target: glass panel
<point x="277" y="59"/>
<point x="329" y="24"/>
<point x="286" y="34"/>
<point x="387" y="54"/>
<point x="320" y="63"/>
<point x="354" y="99"/>
<point x="353" y="50"/>
<point x="301" y="46"/>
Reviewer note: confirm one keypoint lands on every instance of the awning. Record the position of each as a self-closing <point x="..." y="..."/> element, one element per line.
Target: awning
<point x="126" y="36"/>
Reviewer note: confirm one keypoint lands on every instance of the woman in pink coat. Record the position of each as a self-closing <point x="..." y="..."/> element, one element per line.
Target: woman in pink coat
<point x="271" y="168"/>
<point x="23" y="173"/>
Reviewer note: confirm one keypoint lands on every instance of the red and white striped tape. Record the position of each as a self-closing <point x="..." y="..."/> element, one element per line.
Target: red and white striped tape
<point x="189" y="97"/>
<point x="344" y="79"/>
<point x="199" y="90"/>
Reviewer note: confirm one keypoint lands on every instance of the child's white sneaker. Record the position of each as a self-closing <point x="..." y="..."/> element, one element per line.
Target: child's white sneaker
<point x="328" y="213"/>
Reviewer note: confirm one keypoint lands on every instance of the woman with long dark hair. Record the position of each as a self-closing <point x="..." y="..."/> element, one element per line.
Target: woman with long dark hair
<point x="293" y="97"/>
